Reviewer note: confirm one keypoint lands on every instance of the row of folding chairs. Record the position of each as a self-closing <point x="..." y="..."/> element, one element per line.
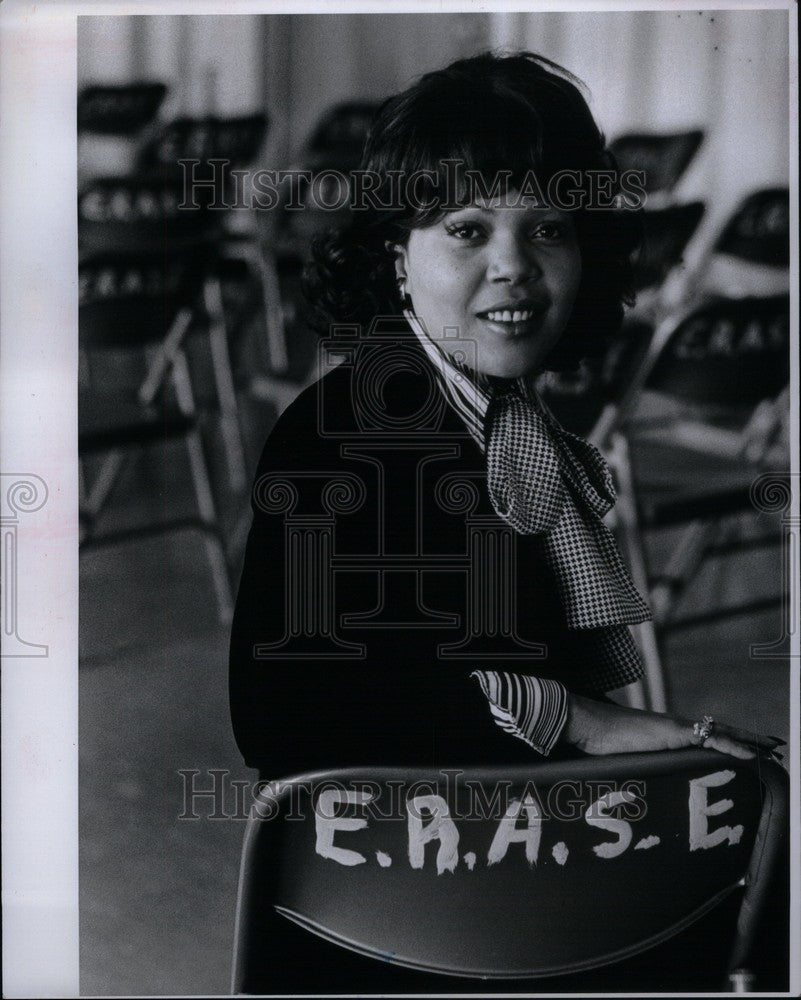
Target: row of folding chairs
<point x="708" y="389"/>
<point x="153" y="274"/>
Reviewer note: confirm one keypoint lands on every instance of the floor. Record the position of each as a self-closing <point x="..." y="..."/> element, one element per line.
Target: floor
<point x="158" y="889"/>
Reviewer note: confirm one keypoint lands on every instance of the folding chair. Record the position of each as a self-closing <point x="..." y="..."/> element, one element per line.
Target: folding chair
<point x="662" y="157"/>
<point x="586" y="400"/>
<point x="214" y="146"/>
<point x="666" y="233"/>
<point x="131" y="306"/>
<point x="119" y="109"/>
<point x="751" y="255"/>
<point x="143" y="214"/>
<point x="627" y="873"/>
<point x="718" y="366"/>
<point x="237" y="140"/>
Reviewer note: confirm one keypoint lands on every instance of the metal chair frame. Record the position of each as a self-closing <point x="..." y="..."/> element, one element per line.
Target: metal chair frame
<point x="612" y="433"/>
<point x="167" y="362"/>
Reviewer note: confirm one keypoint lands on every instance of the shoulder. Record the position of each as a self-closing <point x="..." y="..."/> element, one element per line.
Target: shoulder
<point x="308" y="428"/>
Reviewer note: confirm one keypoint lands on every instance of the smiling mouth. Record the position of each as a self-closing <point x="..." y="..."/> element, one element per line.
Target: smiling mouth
<point x="515" y="322"/>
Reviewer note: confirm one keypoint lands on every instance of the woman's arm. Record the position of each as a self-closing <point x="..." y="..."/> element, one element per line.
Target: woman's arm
<point x="596" y="727"/>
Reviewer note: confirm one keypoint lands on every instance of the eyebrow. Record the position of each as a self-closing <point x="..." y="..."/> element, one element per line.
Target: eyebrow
<point x="474" y="206"/>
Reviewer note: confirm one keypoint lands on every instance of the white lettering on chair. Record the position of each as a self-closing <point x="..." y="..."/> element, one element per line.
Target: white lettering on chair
<point x="327" y="823"/>
<point x="597" y="814"/>
<point x="441" y="828"/>
<point x="701" y="810"/>
<point x="508" y="832"/>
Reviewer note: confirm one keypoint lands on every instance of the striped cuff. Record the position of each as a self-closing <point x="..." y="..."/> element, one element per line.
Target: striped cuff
<point x="530" y="708"/>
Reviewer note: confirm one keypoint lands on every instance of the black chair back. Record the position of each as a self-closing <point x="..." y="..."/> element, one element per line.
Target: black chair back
<point x="663" y="158"/>
<point x="578" y="398"/>
<point x="524" y="872"/>
<point x="729" y="352"/>
<point x="119" y="110"/>
<point x="140" y="214"/>
<point x="759" y="231"/>
<point x="128" y="301"/>
<point x="666" y="233"/>
<point x="237" y="140"/>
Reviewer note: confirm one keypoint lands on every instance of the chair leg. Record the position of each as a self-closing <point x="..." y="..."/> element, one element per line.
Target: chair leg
<point x="165" y="357"/>
<point x="273" y="312"/>
<point x="224" y="382"/>
<point x="741" y="981"/>
<point x="629" y="534"/>
<point x="95" y="500"/>
<point x="686" y="557"/>
<point x="208" y="514"/>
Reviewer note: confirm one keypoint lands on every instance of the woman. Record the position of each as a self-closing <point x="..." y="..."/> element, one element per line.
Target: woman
<point x="428" y="579"/>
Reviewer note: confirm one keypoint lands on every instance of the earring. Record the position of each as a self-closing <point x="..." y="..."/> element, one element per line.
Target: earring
<point x="403" y="295"/>
<point x="400" y="279"/>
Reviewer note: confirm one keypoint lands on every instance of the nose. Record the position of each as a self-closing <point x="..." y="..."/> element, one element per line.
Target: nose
<point x="511" y="260"/>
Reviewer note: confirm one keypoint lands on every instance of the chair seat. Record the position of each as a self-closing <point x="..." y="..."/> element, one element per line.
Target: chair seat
<point x="106" y="421"/>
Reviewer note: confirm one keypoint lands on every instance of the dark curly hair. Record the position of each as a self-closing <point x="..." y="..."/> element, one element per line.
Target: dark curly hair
<point x="498" y="115"/>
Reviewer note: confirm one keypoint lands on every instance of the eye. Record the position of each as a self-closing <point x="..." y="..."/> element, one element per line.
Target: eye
<point x="467" y="231"/>
<point x="551" y="231"/>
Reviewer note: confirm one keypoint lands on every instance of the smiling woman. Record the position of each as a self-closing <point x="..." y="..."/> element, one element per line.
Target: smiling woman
<point x="428" y="580"/>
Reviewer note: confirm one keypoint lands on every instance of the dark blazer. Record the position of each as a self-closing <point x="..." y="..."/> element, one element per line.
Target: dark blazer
<point x="378" y="576"/>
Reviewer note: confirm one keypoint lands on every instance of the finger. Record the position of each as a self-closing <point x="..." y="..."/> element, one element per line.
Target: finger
<point x="749" y="738"/>
<point x="723" y="744"/>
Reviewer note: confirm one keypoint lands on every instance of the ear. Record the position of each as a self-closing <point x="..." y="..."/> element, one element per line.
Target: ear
<point x="401" y="270"/>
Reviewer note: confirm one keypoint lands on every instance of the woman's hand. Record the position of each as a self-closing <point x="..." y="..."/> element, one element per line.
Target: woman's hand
<point x="596" y="727"/>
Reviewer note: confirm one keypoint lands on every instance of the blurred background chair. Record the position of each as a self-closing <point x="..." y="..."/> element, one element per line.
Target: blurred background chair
<point x="668" y="222"/>
<point x="751" y="255"/>
<point x="165" y="207"/>
<point x="512" y="890"/>
<point x="701" y="390"/>
<point x="114" y="120"/>
<point x="122" y="109"/>
<point x="586" y="400"/>
<point x="143" y="215"/>
<point x="662" y="157"/>
<point x="666" y="233"/>
<point x="136" y="308"/>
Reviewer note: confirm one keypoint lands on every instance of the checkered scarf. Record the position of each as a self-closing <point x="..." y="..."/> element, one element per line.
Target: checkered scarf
<point x="547" y="482"/>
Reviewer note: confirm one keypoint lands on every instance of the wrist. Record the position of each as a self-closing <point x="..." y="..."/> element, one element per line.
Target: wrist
<point x="575" y="710"/>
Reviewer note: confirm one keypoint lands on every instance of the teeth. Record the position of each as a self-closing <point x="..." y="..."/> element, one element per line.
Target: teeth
<point x="507" y="316"/>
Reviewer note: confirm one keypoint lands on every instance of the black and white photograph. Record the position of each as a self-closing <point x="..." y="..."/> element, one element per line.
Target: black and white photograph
<point x="400" y="499"/>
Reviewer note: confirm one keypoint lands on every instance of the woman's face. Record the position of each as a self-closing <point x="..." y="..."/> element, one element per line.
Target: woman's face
<point x="494" y="283"/>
